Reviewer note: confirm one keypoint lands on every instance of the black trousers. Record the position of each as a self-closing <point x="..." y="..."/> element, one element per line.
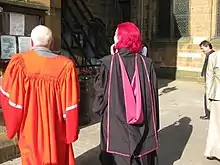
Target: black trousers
<point x="206" y="108"/>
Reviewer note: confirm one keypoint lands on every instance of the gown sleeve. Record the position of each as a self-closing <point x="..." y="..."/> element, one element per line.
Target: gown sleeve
<point x="154" y="84"/>
<point x="12" y="94"/>
<point x="70" y="102"/>
<point x="100" y="86"/>
<point x="209" y="76"/>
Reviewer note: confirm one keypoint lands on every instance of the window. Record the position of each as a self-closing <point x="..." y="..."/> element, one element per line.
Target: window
<point x="173" y="18"/>
<point x="181" y="18"/>
<point x="30" y="22"/>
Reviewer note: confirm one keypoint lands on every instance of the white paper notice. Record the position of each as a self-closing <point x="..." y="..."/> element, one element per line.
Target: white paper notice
<point x="8" y="46"/>
<point x="24" y="44"/>
<point x="17" y="24"/>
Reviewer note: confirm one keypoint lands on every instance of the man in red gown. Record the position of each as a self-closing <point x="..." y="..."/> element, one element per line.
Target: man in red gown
<point x="39" y="97"/>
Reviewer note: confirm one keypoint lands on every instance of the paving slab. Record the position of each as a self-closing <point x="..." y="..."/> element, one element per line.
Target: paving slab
<point x="182" y="135"/>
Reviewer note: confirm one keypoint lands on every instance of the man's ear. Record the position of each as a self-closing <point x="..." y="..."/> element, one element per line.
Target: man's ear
<point x="51" y="44"/>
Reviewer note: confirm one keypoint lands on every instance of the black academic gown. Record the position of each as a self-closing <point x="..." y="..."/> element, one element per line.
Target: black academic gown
<point x="122" y="143"/>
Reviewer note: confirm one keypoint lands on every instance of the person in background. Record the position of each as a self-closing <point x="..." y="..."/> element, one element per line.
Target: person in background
<point x="144" y="51"/>
<point x="212" y="150"/>
<point x="127" y="101"/>
<point x="39" y="98"/>
<point x="206" y="48"/>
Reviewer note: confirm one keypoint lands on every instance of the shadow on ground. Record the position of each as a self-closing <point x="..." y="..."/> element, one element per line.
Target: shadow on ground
<point x="164" y="82"/>
<point x="173" y="140"/>
<point x="89" y="157"/>
<point x="94" y="119"/>
<point x="168" y="90"/>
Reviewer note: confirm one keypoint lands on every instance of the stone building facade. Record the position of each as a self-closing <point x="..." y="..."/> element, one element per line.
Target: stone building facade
<point x="175" y="36"/>
<point x="172" y="29"/>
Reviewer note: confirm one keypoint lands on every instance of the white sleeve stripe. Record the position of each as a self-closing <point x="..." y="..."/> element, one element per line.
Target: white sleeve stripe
<point x="4" y="92"/>
<point x="71" y="107"/>
<point x="15" y="105"/>
<point x="10" y="102"/>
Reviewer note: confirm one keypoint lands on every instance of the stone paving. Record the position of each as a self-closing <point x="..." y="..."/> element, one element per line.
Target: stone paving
<point x="182" y="134"/>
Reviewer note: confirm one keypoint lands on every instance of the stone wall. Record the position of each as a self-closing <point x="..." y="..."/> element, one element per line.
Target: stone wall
<point x="53" y="21"/>
<point x="182" y="57"/>
<point x="200" y="18"/>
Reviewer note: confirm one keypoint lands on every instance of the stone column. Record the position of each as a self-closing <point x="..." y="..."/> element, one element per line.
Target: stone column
<point x="53" y="21"/>
<point x="214" y="7"/>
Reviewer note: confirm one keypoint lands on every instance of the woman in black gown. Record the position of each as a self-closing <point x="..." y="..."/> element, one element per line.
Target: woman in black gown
<point x="127" y="101"/>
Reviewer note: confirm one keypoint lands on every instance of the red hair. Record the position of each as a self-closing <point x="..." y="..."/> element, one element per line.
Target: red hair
<point x="128" y="37"/>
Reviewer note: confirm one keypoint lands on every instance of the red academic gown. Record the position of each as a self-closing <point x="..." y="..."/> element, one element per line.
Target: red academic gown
<point x="39" y="97"/>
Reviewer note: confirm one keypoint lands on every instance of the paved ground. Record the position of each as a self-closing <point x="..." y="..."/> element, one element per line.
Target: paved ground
<point x="182" y="134"/>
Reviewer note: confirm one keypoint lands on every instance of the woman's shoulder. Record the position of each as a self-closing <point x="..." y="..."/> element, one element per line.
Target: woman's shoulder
<point x="106" y="58"/>
<point x="148" y="60"/>
<point x="106" y="61"/>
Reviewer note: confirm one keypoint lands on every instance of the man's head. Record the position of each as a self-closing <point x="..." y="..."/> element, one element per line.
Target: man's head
<point x="205" y="46"/>
<point x="41" y="36"/>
